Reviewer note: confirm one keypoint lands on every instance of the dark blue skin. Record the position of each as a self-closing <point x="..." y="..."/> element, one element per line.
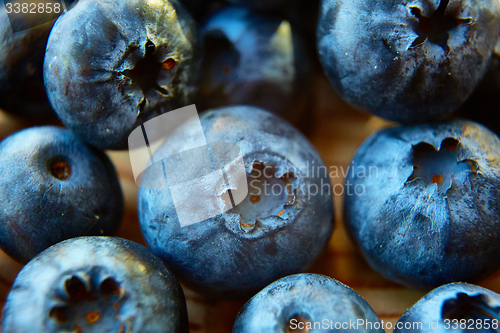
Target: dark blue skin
<point x="305" y="299"/>
<point x="267" y="236"/>
<point x="256" y="59"/>
<point x="404" y="60"/>
<point x="477" y="307"/>
<point x="53" y="187"/>
<point x="427" y="213"/>
<point x="95" y="285"/>
<point x="109" y="66"/>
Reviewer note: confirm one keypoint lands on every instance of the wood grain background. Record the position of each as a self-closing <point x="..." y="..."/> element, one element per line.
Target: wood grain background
<point x="336" y="131"/>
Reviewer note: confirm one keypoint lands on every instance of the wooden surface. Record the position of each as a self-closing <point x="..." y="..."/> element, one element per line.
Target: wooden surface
<point x="336" y="132"/>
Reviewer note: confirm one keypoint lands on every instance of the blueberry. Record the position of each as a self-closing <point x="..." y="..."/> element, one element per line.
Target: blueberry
<point x="307" y="303"/>
<point x="111" y="65"/>
<point x="95" y="284"/>
<point x="279" y="228"/>
<point x="408" y="61"/>
<point x="424" y="202"/>
<point x="53" y="187"/>
<point x="21" y="62"/>
<point x="255" y="59"/>
<point x="455" y="307"/>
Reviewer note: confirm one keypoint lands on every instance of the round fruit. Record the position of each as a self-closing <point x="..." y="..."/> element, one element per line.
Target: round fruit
<point x="427" y="206"/>
<point x="112" y="65"/>
<point x="278" y="229"/>
<point x="408" y="61"/>
<point x="54" y="187"/>
<point x="95" y="284"/>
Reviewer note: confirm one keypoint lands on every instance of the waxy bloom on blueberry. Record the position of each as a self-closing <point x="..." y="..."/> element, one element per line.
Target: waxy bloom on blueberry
<point x="95" y="284"/>
<point x="281" y="226"/>
<point x="54" y="187"/>
<point x="307" y="303"/>
<point x="429" y="210"/>
<point x="112" y="65"/>
<point x="407" y="60"/>
<point x="455" y="307"/>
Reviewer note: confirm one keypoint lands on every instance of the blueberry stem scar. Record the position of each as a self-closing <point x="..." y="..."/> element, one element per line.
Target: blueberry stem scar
<point x="465" y="306"/>
<point x="59" y="168"/>
<point x="439" y="166"/>
<point x="146" y="73"/>
<point x="263" y="199"/>
<point x="89" y="302"/>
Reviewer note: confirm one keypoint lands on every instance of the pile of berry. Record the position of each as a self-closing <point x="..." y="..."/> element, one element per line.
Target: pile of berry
<point x="421" y="200"/>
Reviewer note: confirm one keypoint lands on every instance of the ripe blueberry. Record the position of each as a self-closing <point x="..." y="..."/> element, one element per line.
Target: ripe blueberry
<point x="427" y="207"/>
<point x="95" y="284"/>
<point x="407" y="60"/>
<point x="281" y="226"/>
<point x="53" y="187"/>
<point x="111" y="65"/>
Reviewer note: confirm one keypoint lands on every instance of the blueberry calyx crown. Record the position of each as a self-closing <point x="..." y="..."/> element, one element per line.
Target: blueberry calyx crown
<point x="270" y="194"/>
<point x="436" y="27"/>
<point x="59" y="167"/>
<point x="439" y="166"/>
<point x="465" y="306"/>
<point x="89" y="304"/>
<point x="146" y="74"/>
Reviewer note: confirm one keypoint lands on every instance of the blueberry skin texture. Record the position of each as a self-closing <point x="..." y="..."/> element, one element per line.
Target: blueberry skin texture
<point x="452" y="301"/>
<point x="22" y="92"/>
<point x="256" y="59"/>
<point x="220" y="257"/>
<point x="53" y="187"/>
<point x="120" y="282"/>
<point x="312" y="297"/>
<point x="413" y="230"/>
<point x="375" y="55"/>
<point x="111" y="65"/>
